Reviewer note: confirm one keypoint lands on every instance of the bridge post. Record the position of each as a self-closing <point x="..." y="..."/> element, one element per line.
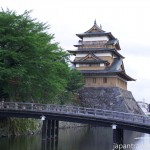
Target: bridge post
<point x="117" y="138"/>
<point x="44" y="130"/>
<point x="53" y="129"/>
<point x="56" y="130"/>
<point x="52" y="133"/>
<point x="49" y="125"/>
<point x="2" y="104"/>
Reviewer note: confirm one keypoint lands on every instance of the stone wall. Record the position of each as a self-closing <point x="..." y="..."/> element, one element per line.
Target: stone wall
<point x="109" y="98"/>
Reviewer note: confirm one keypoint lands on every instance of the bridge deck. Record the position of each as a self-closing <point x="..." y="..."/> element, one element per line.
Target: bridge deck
<point x="79" y="111"/>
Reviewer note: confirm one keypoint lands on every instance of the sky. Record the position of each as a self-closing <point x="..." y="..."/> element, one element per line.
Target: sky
<point x="127" y="20"/>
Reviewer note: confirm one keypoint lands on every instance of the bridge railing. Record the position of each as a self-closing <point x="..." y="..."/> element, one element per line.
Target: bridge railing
<point x="97" y="113"/>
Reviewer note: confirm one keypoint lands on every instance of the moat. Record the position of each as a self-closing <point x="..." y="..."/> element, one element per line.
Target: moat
<point x="80" y="138"/>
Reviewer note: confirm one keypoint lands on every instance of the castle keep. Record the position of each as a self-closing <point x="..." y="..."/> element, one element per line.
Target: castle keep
<point x="98" y="59"/>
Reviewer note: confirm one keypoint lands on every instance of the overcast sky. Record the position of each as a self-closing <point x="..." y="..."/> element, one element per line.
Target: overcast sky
<point x="128" y="20"/>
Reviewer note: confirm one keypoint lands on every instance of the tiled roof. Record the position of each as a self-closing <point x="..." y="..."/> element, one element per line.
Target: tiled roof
<point x="107" y="73"/>
<point x="90" y="61"/>
<point x="96" y="50"/>
<point x="114" y="42"/>
<point x="114" y="69"/>
<point x="111" y="37"/>
<point x="95" y="30"/>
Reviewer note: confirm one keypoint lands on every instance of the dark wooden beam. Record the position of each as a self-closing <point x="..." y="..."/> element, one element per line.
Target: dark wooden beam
<point x="118" y="139"/>
<point x="49" y="125"/>
<point x="44" y="130"/>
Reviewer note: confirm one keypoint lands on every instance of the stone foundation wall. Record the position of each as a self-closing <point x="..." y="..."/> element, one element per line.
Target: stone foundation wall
<point x="109" y="98"/>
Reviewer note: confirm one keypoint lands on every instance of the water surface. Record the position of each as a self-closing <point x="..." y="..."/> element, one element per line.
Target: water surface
<point x="81" y="138"/>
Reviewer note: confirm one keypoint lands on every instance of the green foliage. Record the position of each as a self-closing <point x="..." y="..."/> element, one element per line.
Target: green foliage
<point x="76" y="81"/>
<point x="23" y="126"/>
<point x="32" y="66"/>
<point x="15" y="126"/>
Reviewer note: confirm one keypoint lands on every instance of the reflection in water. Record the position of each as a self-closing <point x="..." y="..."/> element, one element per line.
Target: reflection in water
<point x="143" y="142"/>
<point x="49" y="145"/>
<point x="81" y="138"/>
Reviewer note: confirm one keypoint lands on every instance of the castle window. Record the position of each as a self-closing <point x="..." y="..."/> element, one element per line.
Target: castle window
<point x="102" y="64"/>
<point x="105" y="80"/>
<point x="77" y="65"/>
<point x="94" y="80"/>
<point x="84" y="65"/>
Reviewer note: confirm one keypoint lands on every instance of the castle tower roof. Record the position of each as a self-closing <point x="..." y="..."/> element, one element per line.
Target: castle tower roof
<point x="97" y="57"/>
<point x="96" y="30"/>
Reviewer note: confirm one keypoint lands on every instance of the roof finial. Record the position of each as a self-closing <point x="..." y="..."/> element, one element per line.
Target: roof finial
<point x="95" y="22"/>
<point x="100" y="26"/>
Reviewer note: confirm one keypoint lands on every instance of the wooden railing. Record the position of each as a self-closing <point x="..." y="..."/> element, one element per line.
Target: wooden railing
<point x="79" y="111"/>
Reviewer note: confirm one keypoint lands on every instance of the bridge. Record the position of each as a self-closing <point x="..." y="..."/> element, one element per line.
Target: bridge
<point x="51" y="115"/>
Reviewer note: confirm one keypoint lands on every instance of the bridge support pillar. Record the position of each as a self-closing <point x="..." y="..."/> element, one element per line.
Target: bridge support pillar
<point x="117" y="138"/>
<point x="56" y="130"/>
<point x="52" y="129"/>
<point x="49" y="125"/>
<point x="44" y="130"/>
<point x="52" y="133"/>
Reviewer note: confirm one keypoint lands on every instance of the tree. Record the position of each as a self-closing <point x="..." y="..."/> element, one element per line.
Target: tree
<point x="75" y="82"/>
<point x="32" y="65"/>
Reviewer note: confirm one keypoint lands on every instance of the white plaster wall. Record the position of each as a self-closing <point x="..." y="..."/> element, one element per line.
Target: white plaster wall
<point x="81" y="55"/>
<point x="102" y="65"/>
<point x="101" y="38"/>
<point x="77" y="65"/>
<point x="103" y="54"/>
